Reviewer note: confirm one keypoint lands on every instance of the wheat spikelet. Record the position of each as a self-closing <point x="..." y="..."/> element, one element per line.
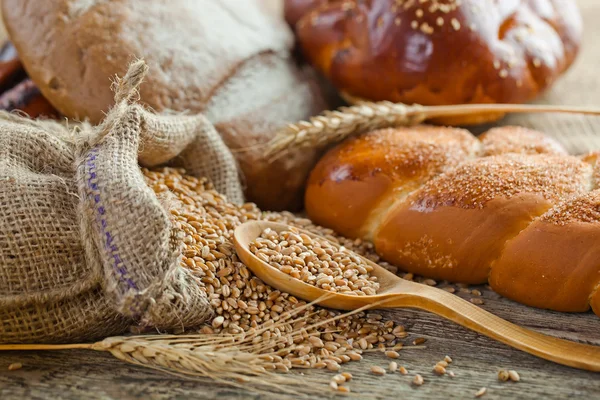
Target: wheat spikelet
<point x="237" y="360"/>
<point x="334" y="126"/>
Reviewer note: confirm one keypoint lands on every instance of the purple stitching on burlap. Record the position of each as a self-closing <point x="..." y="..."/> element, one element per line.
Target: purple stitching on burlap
<point x="109" y="246"/>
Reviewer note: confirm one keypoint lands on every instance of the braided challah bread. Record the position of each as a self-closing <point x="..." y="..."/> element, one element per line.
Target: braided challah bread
<point x="511" y="208"/>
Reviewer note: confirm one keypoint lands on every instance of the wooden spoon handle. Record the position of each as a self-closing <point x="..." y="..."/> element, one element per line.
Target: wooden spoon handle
<point x="462" y="312"/>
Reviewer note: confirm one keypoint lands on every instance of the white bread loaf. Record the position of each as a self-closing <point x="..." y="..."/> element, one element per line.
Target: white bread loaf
<point x="228" y="59"/>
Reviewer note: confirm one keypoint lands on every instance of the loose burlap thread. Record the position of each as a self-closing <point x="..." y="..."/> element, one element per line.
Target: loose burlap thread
<point x="86" y="247"/>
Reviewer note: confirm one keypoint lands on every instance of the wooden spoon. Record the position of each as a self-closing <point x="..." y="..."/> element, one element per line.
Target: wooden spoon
<point x="397" y="292"/>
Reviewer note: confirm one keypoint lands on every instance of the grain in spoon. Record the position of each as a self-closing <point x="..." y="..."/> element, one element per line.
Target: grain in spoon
<point x="397" y="292"/>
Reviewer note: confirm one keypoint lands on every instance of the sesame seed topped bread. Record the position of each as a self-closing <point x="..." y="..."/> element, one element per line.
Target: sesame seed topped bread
<point x="227" y="59"/>
<point x="510" y="207"/>
<point x="435" y="52"/>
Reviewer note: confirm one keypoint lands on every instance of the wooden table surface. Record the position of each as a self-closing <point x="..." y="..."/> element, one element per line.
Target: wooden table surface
<point x="85" y="374"/>
<point x="77" y="374"/>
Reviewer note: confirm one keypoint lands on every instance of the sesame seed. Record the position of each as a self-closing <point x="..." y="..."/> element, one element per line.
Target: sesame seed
<point x="347" y="5"/>
<point x="426" y="28"/>
<point x="477" y="301"/>
<point x="419" y="13"/>
<point x="514" y="376"/>
<point x="414" y="24"/>
<point x="393" y="366"/>
<point x="397" y="21"/>
<point x="439" y="21"/>
<point x="481" y="392"/>
<point x="503" y="73"/>
<point x="455" y="24"/>
<point x="537" y="62"/>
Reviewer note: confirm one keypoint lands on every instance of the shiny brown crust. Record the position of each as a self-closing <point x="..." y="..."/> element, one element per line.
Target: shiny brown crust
<point x="294" y="10"/>
<point x="524" y="217"/>
<point x="441" y="52"/>
<point x="360" y="171"/>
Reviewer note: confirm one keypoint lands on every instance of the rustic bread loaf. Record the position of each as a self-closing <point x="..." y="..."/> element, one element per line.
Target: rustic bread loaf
<point x="511" y="208"/>
<point x="227" y="59"/>
<point x="435" y="52"/>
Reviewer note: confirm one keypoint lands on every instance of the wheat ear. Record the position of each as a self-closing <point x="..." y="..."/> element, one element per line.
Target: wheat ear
<point x="334" y="126"/>
<point x="238" y="360"/>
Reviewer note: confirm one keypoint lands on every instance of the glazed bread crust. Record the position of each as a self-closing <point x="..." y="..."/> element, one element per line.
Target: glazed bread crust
<point x="511" y="208"/>
<point x="440" y="52"/>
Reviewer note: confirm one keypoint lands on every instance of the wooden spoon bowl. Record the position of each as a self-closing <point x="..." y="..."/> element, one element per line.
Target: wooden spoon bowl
<point x="397" y="292"/>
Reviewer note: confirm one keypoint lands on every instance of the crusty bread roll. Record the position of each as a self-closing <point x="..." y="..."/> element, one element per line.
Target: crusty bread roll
<point x="511" y="207"/>
<point x="228" y="59"/>
<point x="439" y="52"/>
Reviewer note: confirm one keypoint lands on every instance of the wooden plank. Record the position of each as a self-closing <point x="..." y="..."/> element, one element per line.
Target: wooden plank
<point x="78" y="374"/>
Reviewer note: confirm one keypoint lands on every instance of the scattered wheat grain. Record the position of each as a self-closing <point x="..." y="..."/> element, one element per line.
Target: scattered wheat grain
<point x="418" y="380"/>
<point x="377" y="370"/>
<point x="514" y="375"/>
<point x="503" y="375"/>
<point x="15" y="366"/>
<point x="392" y="354"/>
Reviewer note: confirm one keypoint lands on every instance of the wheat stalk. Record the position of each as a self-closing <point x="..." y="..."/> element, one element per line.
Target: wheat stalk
<point x="334" y="126"/>
<point x="237" y="360"/>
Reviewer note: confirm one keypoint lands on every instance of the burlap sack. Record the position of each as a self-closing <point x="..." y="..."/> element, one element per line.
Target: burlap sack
<point x="86" y="248"/>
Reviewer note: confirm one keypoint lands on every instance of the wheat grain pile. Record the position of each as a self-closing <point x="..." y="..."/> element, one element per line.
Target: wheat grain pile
<point x="316" y="261"/>
<point x="204" y="223"/>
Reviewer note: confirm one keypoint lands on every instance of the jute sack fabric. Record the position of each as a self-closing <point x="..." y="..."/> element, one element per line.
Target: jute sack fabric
<point x="86" y="247"/>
